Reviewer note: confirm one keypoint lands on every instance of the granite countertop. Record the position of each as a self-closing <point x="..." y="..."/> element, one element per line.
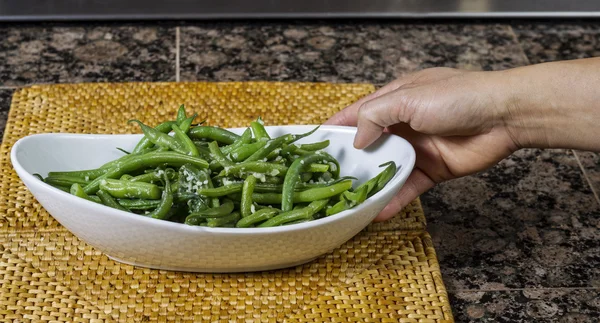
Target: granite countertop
<point x="517" y="243"/>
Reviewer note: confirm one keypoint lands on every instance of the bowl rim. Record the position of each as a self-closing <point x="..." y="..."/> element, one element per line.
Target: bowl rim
<point x="401" y="174"/>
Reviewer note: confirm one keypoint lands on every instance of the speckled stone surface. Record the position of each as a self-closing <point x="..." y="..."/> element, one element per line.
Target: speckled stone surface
<point x="545" y="42"/>
<point x="529" y="222"/>
<point x="340" y="52"/>
<point x="69" y="54"/>
<point x="533" y="305"/>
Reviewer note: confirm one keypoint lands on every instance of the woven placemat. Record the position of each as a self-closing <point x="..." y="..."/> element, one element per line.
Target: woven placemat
<point x="389" y="272"/>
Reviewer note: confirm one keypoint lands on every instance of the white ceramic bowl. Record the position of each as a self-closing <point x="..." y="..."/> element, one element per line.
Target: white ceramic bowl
<point x="146" y="242"/>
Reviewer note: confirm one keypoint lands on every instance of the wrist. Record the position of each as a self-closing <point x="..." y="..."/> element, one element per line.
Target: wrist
<point x="552" y="105"/>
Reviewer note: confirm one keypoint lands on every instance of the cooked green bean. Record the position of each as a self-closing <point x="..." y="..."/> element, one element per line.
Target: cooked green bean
<point x="65" y="180"/>
<point x="308" y="195"/>
<point x="78" y="191"/>
<point x="242" y="153"/>
<point x="139" y="204"/>
<point x="187" y="123"/>
<point x="216" y="212"/>
<point x="305" y="213"/>
<point x="271" y="145"/>
<point x="213" y="134"/>
<point x="145" y="143"/>
<point x="246" y="206"/>
<point x="185" y="142"/>
<point x="162" y="212"/>
<point x="315" y="146"/>
<point x="299" y="166"/>
<point x="160" y="139"/>
<point x="244" y="139"/>
<point x="217" y="155"/>
<point x="108" y="200"/>
<point x="181" y="115"/>
<point x="257" y="217"/>
<point x="224" y="220"/>
<point x="254" y="167"/>
<point x="259" y="129"/>
<point x="127" y="189"/>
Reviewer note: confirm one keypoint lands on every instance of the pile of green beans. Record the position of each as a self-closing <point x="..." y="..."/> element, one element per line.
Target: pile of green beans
<point x="208" y="176"/>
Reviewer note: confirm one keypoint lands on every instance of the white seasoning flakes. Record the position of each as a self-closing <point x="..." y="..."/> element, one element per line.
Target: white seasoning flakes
<point x="252" y="209"/>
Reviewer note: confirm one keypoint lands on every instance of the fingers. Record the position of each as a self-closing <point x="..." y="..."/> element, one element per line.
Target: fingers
<point x="349" y="115"/>
<point x="416" y="184"/>
<point x="378" y="113"/>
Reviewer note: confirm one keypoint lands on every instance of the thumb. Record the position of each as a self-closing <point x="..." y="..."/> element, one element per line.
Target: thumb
<point x="381" y="112"/>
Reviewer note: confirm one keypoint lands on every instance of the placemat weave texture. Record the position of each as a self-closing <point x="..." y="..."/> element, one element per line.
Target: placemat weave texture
<point x="387" y="273"/>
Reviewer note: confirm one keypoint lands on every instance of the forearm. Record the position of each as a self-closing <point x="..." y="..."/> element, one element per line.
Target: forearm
<point x="554" y="105"/>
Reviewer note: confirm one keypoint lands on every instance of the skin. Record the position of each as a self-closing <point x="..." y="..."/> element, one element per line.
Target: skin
<point x="463" y="122"/>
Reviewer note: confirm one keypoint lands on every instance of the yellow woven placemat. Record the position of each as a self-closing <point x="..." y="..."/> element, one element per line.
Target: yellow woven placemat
<point x="387" y="273"/>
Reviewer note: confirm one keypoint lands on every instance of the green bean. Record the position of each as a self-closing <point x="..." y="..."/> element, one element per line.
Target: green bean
<point x="213" y="134"/>
<point x="296" y="215"/>
<point x="221" y="191"/>
<point x="348" y="200"/>
<point x="299" y="166"/>
<point x="185" y="142"/>
<point x="257" y="217"/>
<point x="162" y="212"/>
<point x="202" y="150"/>
<point x="65" y="180"/>
<point x="306" y="196"/>
<point x="385" y="176"/>
<point x="127" y="177"/>
<point x="38" y="176"/>
<point x="187" y="123"/>
<point x="259" y="130"/>
<point x="244" y="139"/>
<point x="271" y="145"/>
<point x="78" y="191"/>
<point x="315" y="146"/>
<point x="123" y="151"/>
<point x="247" y="190"/>
<point x="89" y="174"/>
<point x="216" y="212"/>
<point x="241" y="153"/>
<point x="139" y="204"/>
<point x="217" y="155"/>
<point x="126" y="189"/>
<point x="160" y="139"/>
<point x="254" y="167"/>
<point x="373" y="183"/>
<point x="302" y="135"/>
<point x="224" y="220"/>
<point x="181" y="114"/>
<point x="145" y="143"/>
<point x="108" y="200"/>
<point x="152" y="177"/>
<point x="144" y="161"/>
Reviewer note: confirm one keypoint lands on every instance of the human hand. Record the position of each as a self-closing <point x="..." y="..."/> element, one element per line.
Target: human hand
<point x="454" y="119"/>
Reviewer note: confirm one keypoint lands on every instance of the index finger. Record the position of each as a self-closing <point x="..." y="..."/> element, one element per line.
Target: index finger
<point x="349" y="115"/>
